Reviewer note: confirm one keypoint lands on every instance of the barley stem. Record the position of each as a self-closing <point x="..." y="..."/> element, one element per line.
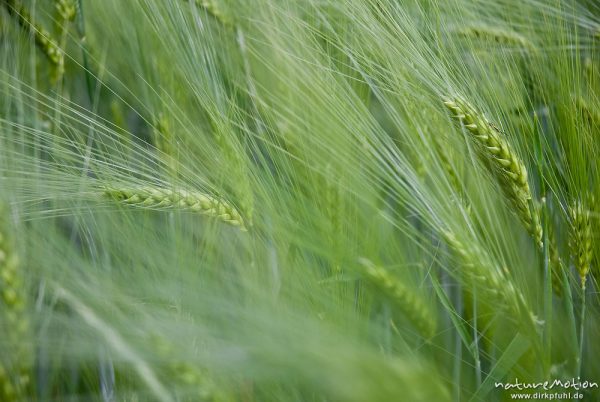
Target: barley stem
<point x="581" y="331"/>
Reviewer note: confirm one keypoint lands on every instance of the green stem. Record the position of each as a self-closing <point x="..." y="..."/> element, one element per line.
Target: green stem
<point x="547" y="338"/>
<point x="82" y="41"/>
<point x="581" y="329"/>
<point x="476" y="340"/>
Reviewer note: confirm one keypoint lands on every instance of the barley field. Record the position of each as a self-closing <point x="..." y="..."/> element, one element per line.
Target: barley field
<point x="299" y="200"/>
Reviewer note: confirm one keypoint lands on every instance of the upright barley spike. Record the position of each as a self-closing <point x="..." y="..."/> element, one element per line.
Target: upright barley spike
<point x="15" y="350"/>
<point x="580" y="239"/>
<point x="408" y="301"/>
<point x="156" y="197"/>
<point x="66" y="9"/>
<point x="503" y="162"/>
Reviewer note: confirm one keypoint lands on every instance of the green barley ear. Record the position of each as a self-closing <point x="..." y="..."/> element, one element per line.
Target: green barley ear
<point x="492" y="285"/>
<point x="503" y="162"/>
<point x="589" y="113"/>
<point x="160" y="198"/>
<point x="414" y="308"/>
<point x="42" y="37"/>
<point x="66" y="9"/>
<point x="497" y="35"/>
<point x="580" y="239"/>
<point x="217" y="10"/>
<point x="197" y="382"/>
<point x="15" y="352"/>
<point x="446" y="164"/>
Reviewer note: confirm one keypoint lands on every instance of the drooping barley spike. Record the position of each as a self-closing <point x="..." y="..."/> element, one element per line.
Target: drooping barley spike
<point x="492" y="284"/>
<point x="195" y="382"/>
<point x="15" y="346"/>
<point x="162" y="198"/>
<point x="412" y="306"/>
<point x="503" y="162"/>
<point x="448" y="167"/>
<point x="216" y="9"/>
<point x="589" y="112"/>
<point x="580" y="239"/>
<point x="42" y="37"/>
<point x="500" y="36"/>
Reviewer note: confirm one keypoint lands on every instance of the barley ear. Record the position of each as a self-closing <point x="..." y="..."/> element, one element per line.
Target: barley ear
<point x="580" y="239"/>
<point x="16" y="354"/>
<point x="500" y="36"/>
<point x="409" y="302"/>
<point x="216" y="9"/>
<point x="589" y="112"/>
<point x="502" y="161"/>
<point x="66" y="9"/>
<point x="189" y="376"/>
<point x="42" y="37"/>
<point x="446" y="165"/>
<point x="491" y="283"/>
<point x="162" y="198"/>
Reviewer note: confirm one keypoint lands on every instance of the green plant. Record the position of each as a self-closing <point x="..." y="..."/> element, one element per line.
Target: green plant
<point x="376" y="251"/>
<point x="502" y="160"/>
<point x="43" y="39"/>
<point x="157" y="198"/>
<point x="15" y="347"/>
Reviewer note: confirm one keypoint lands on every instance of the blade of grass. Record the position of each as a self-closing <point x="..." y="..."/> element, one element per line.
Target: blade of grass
<point x="517" y="348"/>
<point x="456" y="318"/>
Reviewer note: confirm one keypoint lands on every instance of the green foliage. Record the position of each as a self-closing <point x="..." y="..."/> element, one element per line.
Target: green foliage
<point x="388" y="162"/>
